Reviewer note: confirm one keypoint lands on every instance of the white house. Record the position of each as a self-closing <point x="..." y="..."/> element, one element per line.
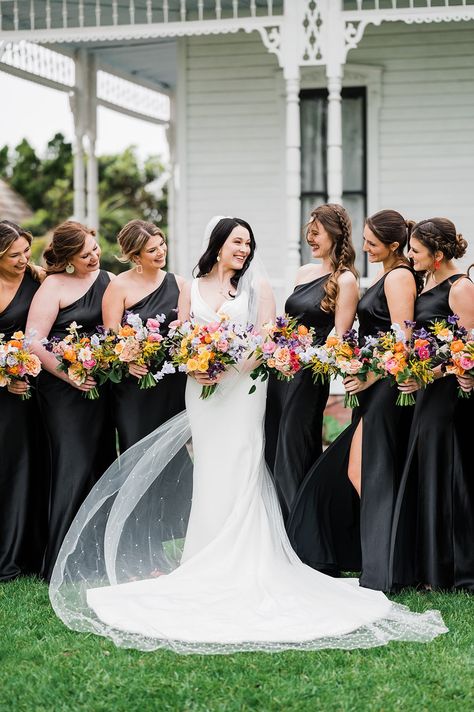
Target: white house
<point x="275" y="105"/>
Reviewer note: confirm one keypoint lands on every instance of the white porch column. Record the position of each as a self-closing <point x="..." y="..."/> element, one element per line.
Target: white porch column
<point x="77" y="103"/>
<point x="293" y="179"/>
<point x="172" y="236"/>
<point x="334" y="133"/>
<point x="91" y="133"/>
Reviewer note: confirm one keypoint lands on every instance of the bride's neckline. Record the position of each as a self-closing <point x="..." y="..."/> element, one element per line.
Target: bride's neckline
<point x="214" y="311"/>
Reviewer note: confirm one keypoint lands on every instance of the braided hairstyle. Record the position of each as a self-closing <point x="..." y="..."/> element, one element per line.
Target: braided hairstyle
<point x="439" y="235"/>
<point x="9" y="232"/>
<point x="337" y="223"/>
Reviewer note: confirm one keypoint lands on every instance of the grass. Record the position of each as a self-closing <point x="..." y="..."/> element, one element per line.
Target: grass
<point x="45" y="667"/>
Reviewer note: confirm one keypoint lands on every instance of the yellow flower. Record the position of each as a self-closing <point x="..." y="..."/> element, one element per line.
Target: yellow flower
<point x="18" y="335"/>
<point x="192" y="364"/>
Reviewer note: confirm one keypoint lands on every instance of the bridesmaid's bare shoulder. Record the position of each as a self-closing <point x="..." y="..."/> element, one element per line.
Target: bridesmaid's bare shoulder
<point x="308" y="272"/>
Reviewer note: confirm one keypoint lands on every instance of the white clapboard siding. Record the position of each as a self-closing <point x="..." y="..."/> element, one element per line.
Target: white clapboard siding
<point x="426" y="131"/>
<point x="235" y="141"/>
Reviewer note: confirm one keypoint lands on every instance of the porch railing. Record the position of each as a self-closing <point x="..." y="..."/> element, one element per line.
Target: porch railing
<point x="17" y="15"/>
<point x="403" y="5"/>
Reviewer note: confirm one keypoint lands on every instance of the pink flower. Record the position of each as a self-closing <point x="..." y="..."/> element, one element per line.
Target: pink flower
<point x="466" y="363"/>
<point x="269" y="347"/>
<point x="282" y="356"/>
<point x="213" y="326"/>
<point x="33" y="365"/>
<point x="423" y="353"/>
<point x="153" y="325"/>
<point x="175" y="324"/>
<point x="392" y="366"/>
<point x="154" y="338"/>
<point x="130" y="351"/>
<point x="89" y="364"/>
<point x="223" y="345"/>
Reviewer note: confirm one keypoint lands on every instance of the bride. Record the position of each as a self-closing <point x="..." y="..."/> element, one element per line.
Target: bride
<point x="152" y="562"/>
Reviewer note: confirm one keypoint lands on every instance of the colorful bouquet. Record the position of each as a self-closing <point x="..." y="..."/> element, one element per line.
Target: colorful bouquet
<point x="16" y="361"/>
<point x="81" y="355"/>
<point x="142" y="344"/>
<point x="342" y="357"/>
<point x="207" y="348"/>
<point x="455" y="348"/>
<point x="394" y="357"/>
<point x="285" y="350"/>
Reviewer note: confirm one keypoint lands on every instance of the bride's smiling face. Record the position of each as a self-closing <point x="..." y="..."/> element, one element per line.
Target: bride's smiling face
<point x="236" y="249"/>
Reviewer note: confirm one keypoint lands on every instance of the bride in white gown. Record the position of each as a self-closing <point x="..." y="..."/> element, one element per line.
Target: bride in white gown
<point x="150" y="565"/>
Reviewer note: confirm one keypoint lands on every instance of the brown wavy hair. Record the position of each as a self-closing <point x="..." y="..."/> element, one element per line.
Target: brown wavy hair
<point x="9" y="232"/>
<point x="337" y="223"/>
<point x="439" y="235"/>
<point x="68" y="240"/>
<point x="133" y="237"/>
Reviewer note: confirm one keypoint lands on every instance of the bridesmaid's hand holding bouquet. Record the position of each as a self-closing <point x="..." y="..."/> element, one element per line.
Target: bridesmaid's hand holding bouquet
<point x="285" y="350"/>
<point x="142" y="345"/>
<point x="17" y="363"/>
<point x="455" y="347"/>
<point x="207" y="350"/>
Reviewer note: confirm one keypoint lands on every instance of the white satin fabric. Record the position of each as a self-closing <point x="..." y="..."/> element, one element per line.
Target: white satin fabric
<point x="239" y="585"/>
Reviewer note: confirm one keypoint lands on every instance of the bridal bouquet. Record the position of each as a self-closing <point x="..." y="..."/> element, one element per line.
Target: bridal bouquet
<point x="285" y="350"/>
<point x="342" y="357"/>
<point x="80" y="356"/>
<point x="206" y="348"/>
<point x="395" y="357"/>
<point x="455" y="347"/>
<point x="143" y="344"/>
<point x="16" y="361"/>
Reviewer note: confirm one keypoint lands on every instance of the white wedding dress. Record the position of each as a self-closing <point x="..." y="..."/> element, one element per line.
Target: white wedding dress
<point x="221" y="577"/>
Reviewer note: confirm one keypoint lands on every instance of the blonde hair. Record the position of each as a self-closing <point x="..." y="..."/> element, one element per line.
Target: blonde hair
<point x="133" y="237"/>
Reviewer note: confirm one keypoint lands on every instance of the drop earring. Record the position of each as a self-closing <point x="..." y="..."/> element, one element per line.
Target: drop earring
<point x="70" y="268"/>
<point x="218" y="258"/>
<point x="437" y="265"/>
<point x="139" y="268"/>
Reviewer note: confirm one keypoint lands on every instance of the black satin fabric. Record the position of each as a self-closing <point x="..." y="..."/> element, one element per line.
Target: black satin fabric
<point x="329" y="527"/>
<point x="22" y="481"/>
<point x="433" y="528"/>
<point x="294" y="413"/>
<point x="140" y="411"/>
<point x="81" y="434"/>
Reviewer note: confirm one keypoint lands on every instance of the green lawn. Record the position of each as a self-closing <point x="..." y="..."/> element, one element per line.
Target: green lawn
<point x="46" y="667"/>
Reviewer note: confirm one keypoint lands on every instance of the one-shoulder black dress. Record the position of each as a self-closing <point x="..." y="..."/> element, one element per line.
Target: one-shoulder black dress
<point x="81" y="432"/>
<point x="139" y="411"/>
<point x="433" y="528"/>
<point x="330" y="528"/>
<point x="294" y="414"/>
<point x="22" y="481"/>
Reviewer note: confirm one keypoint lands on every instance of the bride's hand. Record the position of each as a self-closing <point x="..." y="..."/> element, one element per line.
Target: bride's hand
<point x="204" y="379"/>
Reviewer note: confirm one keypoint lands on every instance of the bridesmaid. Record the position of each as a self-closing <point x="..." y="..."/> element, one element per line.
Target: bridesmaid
<point x="21" y="513"/>
<point x="325" y="296"/>
<point x="331" y="528"/>
<point x="146" y="290"/>
<point x="433" y="530"/>
<point x="81" y="437"/>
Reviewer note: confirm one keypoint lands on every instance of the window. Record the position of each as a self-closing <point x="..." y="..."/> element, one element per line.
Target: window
<point x="314" y="160"/>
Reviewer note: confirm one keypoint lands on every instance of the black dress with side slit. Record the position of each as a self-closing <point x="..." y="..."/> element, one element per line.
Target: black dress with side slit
<point x="81" y="432"/>
<point x="433" y="527"/>
<point x="294" y="413"/>
<point x="330" y="528"/>
<point x="22" y="481"/>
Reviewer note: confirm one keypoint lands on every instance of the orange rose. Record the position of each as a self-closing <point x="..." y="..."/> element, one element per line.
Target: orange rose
<point x="399" y="347"/>
<point x="302" y="330"/>
<point x="126" y="330"/>
<point x="346" y="350"/>
<point x="14" y="343"/>
<point x="420" y="342"/>
<point x="14" y="370"/>
<point x="332" y="341"/>
<point x="207" y="339"/>
<point x="70" y="355"/>
<point x="456" y="346"/>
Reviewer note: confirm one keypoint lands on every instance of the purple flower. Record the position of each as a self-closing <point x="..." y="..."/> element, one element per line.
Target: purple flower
<point x="410" y="324"/>
<point x="453" y="319"/>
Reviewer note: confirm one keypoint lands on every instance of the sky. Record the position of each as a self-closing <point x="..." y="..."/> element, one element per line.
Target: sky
<point x="36" y="112"/>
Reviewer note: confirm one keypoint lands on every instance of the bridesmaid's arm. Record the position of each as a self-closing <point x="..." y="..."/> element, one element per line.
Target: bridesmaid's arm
<point x="113" y="305"/>
<point x="41" y="317"/>
<point x="184" y="301"/>
<point x="266" y="305"/>
<point x="346" y="304"/>
<point x="461" y="301"/>
<point x="180" y="281"/>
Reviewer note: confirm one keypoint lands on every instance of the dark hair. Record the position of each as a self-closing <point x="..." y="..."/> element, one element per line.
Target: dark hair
<point x="389" y="226"/>
<point x="217" y="238"/>
<point x="337" y="223"/>
<point x="68" y="239"/>
<point x="439" y="234"/>
<point x="9" y="232"/>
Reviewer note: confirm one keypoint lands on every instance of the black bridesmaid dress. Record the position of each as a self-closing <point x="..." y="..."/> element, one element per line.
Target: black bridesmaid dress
<point x="330" y="528"/>
<point x="139" y="411"/>
<point x="22" y="485"/>
<point x="80" y="431"/>
<point x="433" y="528"/>
<point x="294" y="414"/>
